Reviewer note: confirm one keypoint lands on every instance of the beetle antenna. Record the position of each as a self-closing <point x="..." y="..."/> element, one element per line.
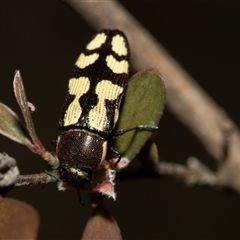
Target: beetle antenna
<point x="51" y="175"/>
<point x="79" y="197"/>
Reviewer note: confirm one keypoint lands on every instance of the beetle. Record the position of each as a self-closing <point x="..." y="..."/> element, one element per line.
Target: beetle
<point x="91" y="107"/>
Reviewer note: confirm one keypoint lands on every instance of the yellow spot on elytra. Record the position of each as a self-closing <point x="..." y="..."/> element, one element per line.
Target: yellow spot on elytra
<point x="119" y="45"/>
<point x="105" y="90"/>
<point x="104" y="152"/>
<point x="97" y="41"/>
<point x="84" y="61"/>
<point x="117" y="66"/>
<point x="77" y="87"/>
<point x="116" y="115"/>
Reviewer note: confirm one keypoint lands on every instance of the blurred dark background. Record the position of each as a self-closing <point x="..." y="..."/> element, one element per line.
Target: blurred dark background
<point x="44" y="38"/>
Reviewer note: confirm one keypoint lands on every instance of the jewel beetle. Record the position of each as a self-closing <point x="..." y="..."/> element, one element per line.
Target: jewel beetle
<point x="91" y="107"/>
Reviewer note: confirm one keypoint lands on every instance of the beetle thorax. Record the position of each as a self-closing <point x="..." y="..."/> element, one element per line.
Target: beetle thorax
<point x="80" y="152"/>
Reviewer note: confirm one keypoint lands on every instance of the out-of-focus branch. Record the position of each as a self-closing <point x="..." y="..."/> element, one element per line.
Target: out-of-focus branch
<point x="185" y="98"/>
<point x="195" y="173"/>
<point x="9" y="171"/>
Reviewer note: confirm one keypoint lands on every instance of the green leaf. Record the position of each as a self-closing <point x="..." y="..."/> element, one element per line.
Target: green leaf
<point x="36" y="146"/>
<point x="143" y="104"/>
<point x="12" y="127"/>
<point x="23" y="103"/>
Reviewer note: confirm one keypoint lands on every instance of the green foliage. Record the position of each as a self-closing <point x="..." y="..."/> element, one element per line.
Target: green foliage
<point x="143" y="104"/>
<point x="11" y="126"/>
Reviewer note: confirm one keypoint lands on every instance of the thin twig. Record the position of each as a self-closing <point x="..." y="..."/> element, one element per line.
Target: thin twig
<point x="185" y="98"/>
<point x="36" y="179"/>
